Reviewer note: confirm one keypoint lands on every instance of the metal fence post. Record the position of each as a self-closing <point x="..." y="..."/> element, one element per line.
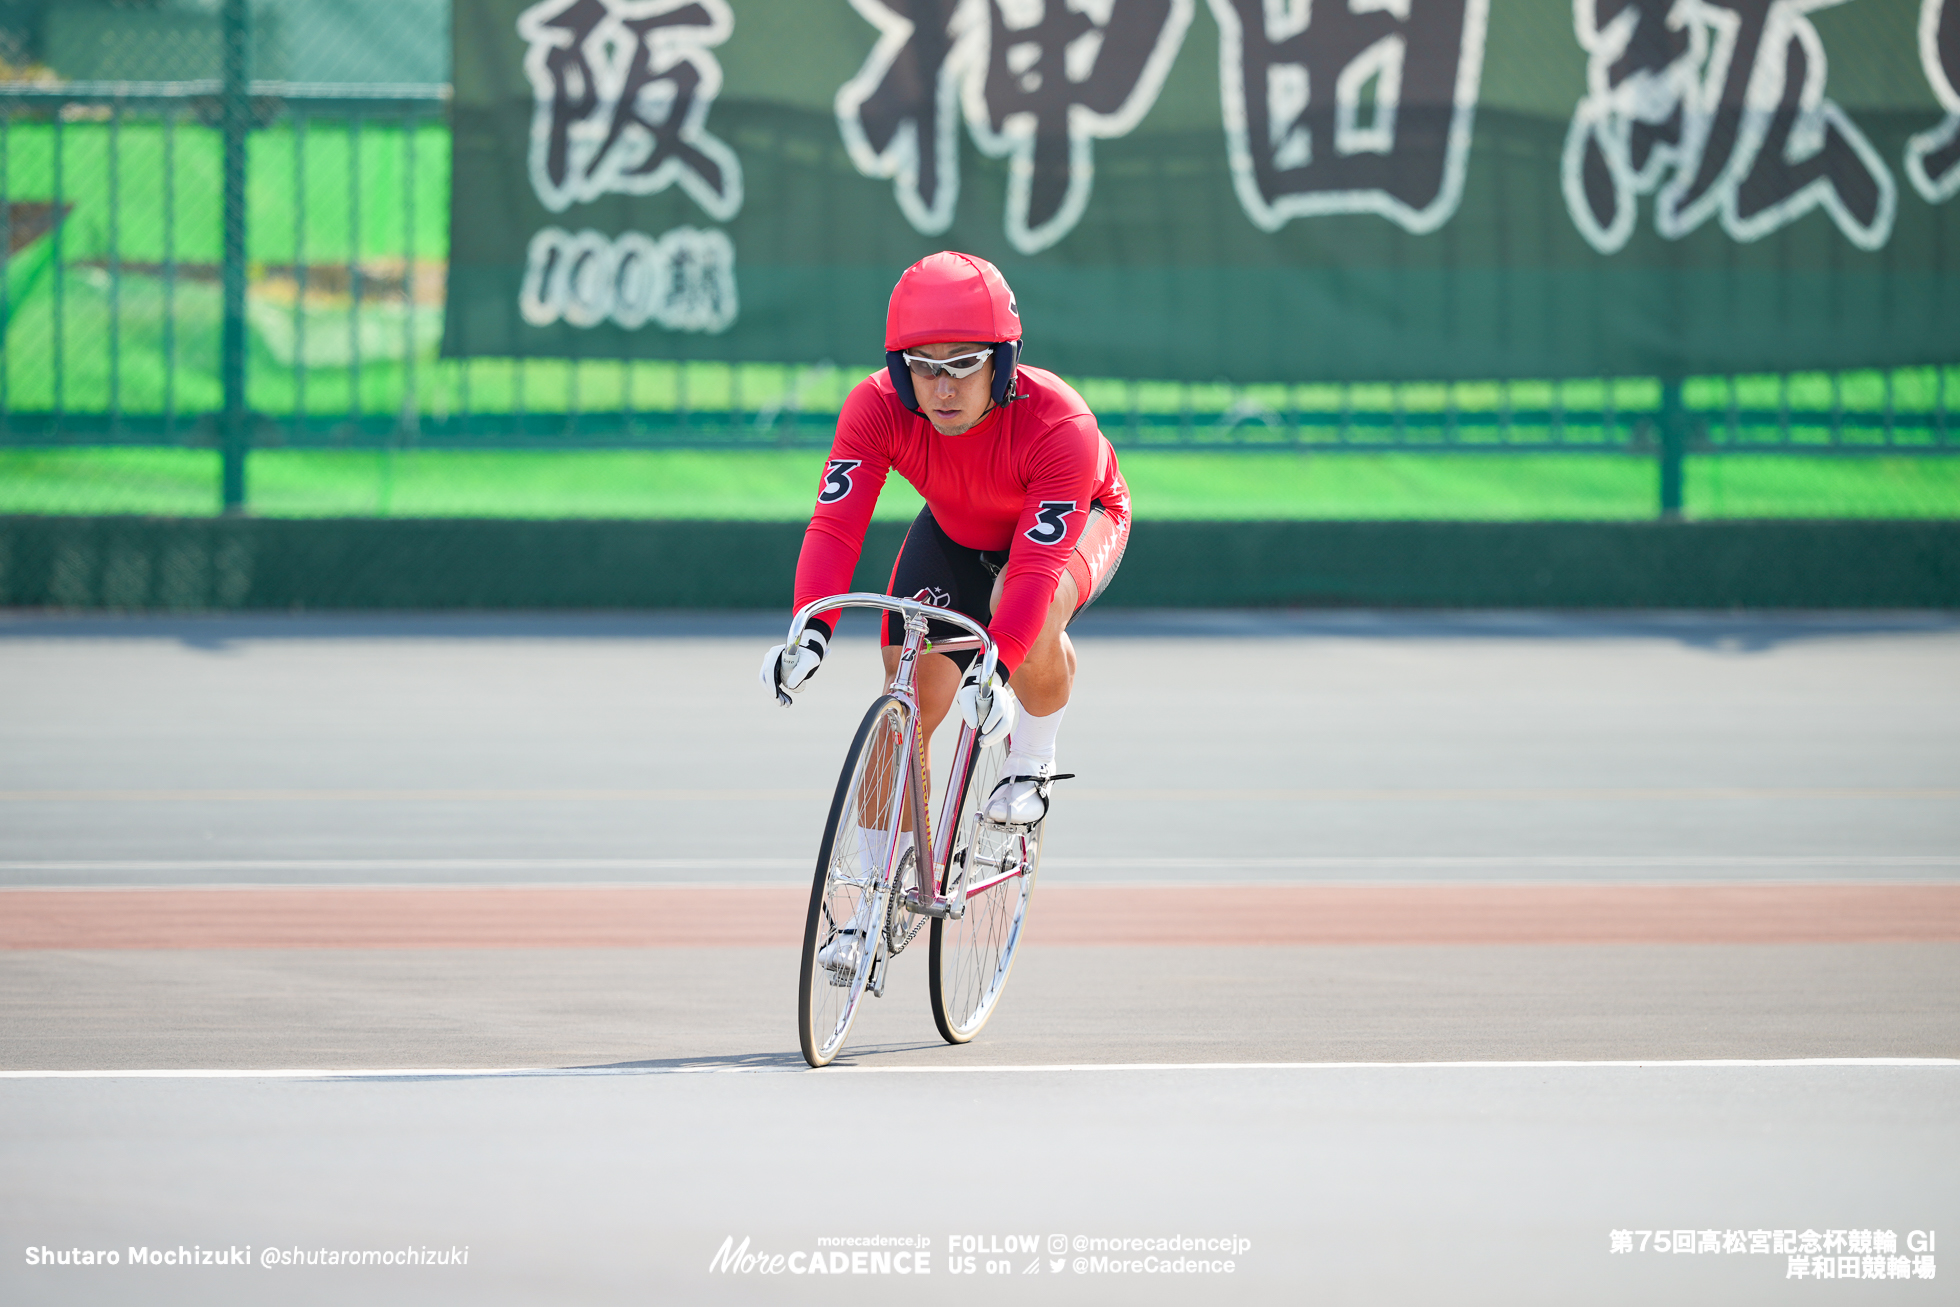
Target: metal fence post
<point x="1674" y="447"/>
<point x="237" y="124"/>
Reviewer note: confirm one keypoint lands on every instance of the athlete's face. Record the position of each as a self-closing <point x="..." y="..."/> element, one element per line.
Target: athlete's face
<point x="954" y="404"/>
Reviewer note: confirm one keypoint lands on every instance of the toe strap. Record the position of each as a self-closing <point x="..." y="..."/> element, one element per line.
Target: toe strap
<point x="1041" y="784"/>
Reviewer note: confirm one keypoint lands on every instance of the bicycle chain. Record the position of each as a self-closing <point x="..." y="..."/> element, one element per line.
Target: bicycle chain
<point x="894" y="944"/>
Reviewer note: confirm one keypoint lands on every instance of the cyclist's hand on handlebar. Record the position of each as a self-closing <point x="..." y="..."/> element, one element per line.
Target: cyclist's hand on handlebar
<point x="1000" y="713"/>
<point x="786" y="669"/>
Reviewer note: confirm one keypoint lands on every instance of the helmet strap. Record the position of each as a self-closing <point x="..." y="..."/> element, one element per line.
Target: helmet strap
<point x="1007" y="358"/>
<point x="902" y="380"/>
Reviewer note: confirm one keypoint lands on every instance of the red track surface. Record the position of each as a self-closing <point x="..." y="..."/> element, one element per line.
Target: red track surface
<point x="669" y="916"/>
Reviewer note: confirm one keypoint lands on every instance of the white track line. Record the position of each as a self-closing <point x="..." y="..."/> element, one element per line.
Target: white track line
<point x="486" y="1073"/>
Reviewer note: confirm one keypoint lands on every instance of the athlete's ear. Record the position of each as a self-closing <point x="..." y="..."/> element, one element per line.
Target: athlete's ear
<point x="902" y="380"/>
<point x="1007" y="357"/>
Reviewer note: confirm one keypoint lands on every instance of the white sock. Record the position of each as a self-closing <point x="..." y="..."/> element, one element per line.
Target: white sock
<point x="873" y="841"/>
<point x="1033" y="738"/>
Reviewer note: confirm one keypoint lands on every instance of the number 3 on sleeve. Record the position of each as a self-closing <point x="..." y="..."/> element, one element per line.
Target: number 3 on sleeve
<point x="1050" y="524"/>
<point x="836" y="479"/>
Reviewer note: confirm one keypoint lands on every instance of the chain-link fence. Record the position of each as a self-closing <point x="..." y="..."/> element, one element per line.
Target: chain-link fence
<point x="217" y="213"/>
<point x="226" y="223"/>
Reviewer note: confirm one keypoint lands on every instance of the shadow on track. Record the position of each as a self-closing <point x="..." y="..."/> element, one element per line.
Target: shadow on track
<point x="730" y="1063"/>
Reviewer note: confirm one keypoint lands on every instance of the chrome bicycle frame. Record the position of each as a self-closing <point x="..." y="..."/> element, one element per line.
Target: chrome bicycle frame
<point x="924" y="896"/>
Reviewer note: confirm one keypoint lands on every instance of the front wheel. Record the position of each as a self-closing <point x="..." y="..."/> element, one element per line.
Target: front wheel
<point x="844" y="934"/>
<point x="971" y="955"/>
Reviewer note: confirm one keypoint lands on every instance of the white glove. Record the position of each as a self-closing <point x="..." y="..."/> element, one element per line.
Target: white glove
<point x="786" y="669"/>
<point x="1000" y="717"/>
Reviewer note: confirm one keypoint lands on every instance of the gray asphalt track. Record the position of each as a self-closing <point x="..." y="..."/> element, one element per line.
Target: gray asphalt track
<point x="1417" y="1184"/>
<point x="1352" y="747"/>
<point x="734" y="1007"/>
<point x="1349" y="747"/>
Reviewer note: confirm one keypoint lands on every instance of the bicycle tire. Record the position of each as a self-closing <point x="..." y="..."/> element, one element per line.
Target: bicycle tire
<point x="970" y="957"/>
<point x="828" y="995"/>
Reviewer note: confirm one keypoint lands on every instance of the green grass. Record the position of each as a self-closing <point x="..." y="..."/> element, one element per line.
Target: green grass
<point x="781" y="485"/>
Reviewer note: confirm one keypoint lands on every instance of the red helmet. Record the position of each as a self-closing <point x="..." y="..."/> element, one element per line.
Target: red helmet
<point x="948" y="297"/>
<point x="951" y="297"/>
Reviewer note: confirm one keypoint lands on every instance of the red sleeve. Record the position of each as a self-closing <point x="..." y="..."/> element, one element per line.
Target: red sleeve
<point x="1061" y="480"/>
<point x="853" y="475"/>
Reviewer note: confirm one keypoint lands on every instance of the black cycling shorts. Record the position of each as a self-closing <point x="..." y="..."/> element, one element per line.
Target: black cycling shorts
<point x="935" y="569"/>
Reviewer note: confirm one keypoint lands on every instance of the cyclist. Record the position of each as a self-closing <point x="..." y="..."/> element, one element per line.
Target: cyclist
<point x="1025" y="520"/>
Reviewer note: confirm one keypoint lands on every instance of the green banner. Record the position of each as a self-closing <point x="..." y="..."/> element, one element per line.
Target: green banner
<point x="1250" y="190"/>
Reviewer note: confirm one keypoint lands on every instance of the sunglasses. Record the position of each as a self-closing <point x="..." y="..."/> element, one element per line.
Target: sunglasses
<point x="961" y="366"/>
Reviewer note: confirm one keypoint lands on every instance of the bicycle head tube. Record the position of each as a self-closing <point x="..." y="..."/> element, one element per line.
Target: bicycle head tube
<point x="912" y="611"/>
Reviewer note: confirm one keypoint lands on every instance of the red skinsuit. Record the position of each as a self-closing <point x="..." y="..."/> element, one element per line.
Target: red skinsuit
<point x="1023" y="473"/>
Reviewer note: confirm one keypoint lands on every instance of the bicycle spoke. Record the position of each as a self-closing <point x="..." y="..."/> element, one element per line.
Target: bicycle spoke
<point x="845" y="934"/>
<point x="972" y="954"/>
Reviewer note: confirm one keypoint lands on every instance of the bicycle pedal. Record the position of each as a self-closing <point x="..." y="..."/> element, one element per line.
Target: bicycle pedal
<point x="840" y="957"/>
<point x="1027" y="828"/>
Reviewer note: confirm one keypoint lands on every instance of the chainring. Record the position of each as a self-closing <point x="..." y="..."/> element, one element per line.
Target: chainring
<point x="898" y="931"/>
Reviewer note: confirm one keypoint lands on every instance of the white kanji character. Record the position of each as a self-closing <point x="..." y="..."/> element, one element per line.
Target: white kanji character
<point x="1058" y="77"/>
<point x="621" y="91"/>
<point x="1039" y="81"/>
<point x="1363" y="107"/>
<point x="1933" y="156"/>
<point x="1621" y="1241"/>
<point x="1719" y="106"/>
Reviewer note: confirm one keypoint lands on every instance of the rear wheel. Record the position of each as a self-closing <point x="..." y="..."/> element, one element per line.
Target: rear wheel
<point x="972" y="955"/>
<point x="844" y="934"/>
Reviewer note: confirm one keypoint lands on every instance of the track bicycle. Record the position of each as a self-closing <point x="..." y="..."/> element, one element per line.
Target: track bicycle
<point x="969" y="877"/>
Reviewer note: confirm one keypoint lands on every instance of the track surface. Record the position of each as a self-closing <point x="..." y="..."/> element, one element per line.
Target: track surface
<point x="1367" y="839"/>
<point x="1209" y="746"/>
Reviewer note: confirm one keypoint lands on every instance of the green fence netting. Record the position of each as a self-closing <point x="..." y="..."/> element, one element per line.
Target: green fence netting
<point x="134" y="313"/>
